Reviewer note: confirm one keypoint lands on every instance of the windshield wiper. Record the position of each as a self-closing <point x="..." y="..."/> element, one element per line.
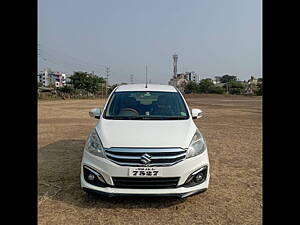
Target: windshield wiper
<point x="173" y="118"/>
<point x="123" y="117"/>
<point x="156" y="118"/>
<point x="116" y="117"/>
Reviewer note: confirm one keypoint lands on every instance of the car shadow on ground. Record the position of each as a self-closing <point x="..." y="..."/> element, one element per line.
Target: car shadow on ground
<point x="59" y="179"/>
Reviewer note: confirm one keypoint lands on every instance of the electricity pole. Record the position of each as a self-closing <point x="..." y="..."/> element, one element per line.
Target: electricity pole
<point x="227" y="88"/>
<point x="102" y="91"/>
<point x="131" y="78"/>
<point x="146" y="75"/>
<point x="107" y="75"/>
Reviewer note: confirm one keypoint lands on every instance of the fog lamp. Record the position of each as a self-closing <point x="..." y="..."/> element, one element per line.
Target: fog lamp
<point x="199" y="177"/>
<point x="91" y="177"/>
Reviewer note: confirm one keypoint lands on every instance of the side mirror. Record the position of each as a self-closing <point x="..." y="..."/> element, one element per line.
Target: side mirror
<point x="95" y="113"/>
<point x="197" y="113"/>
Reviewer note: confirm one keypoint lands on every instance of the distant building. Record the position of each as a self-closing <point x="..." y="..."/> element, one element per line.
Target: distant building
<point x="43" y="78"/>
<point x="217" y="80"/>
<point x="252" y="80"/>
<point x="182" y="79"/>
<point x="48" y="77"/>
<point x="251" y="85"/>
<point x="194" y="77"/>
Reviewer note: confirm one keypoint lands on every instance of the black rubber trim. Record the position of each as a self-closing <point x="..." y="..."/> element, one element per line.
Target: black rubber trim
<point x="145" y="182"/>
<point x="96" y="182"/>
<point x="180" y="96"/>
<point x="181" y="195"/>
<point x="192" y="183"/>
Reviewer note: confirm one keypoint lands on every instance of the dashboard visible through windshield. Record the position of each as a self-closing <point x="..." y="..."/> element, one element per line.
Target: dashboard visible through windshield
<point x="146" y="105"/>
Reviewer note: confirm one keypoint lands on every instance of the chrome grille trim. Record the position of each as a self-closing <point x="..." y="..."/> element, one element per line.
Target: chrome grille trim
<point x="140" y="164"/>
<point x="138" y="157"/>
<point x="147" y="150"/>
<point x="122" y="157"/>
<point x="133" y="156"/>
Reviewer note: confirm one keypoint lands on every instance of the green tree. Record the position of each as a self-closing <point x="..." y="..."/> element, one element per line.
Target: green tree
<point x="259" y="89"/>
<point x="227" y="78"/>
<point x="88" y="82"/>
<point x="217" y="90"/>
<point x="235" y="87"/>
<point x="66" y="89"/>
<point x="206" y="86"/>
<point x="192" y="87"/>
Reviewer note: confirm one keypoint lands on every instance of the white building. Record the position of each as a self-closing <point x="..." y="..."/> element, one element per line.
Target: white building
<point x="47" y="78"/>
<point x="192" y="76"/>
<point x="43" y="78"/>
<point x="252" y="81"/>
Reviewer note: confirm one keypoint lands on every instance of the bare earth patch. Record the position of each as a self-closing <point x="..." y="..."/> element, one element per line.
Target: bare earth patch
<point x="232" y="126"/>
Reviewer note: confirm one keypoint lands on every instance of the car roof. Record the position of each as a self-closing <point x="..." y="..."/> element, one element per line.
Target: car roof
<point x="142" y="87"/>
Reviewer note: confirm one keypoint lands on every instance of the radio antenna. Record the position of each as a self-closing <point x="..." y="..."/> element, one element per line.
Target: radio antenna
<point x="146" y="77"/>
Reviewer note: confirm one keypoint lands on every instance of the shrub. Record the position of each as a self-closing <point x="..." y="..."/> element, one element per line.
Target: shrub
<point x="66" y="89"/>
<point x="235" y="87"/>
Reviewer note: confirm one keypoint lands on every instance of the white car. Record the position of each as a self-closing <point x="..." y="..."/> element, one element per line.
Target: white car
<point x="145" y="143"/>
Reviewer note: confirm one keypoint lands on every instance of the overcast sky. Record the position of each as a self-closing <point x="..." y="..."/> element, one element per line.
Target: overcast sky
<point x="211" y="37"/>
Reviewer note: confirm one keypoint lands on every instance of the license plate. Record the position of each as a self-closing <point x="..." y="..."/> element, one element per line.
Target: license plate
<point x="145" y="172"/>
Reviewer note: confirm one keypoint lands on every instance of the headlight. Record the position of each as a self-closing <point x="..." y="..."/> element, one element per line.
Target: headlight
<point x="197" y="145"/>
<point x="93" y="144"/>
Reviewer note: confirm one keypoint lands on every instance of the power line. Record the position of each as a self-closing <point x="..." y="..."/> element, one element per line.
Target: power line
<point x="53" y="62"/>
<point x="81" y="61"/>
<point x="62" y="62"/>
<point x="49" y="57"/>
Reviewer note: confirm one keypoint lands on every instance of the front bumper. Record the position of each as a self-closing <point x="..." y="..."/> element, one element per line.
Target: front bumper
<point x="178" y="195"/>
<point x="109" y="169"/>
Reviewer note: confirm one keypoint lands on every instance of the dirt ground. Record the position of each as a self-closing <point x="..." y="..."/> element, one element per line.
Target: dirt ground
<point x="232" y="126"/>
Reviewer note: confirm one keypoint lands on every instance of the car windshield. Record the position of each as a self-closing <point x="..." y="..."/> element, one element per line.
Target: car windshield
<point x="146" y="105"/>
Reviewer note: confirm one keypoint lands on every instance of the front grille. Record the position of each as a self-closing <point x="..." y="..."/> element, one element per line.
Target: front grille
<point x="143" y="183"/>
<point x="154" y="156"/>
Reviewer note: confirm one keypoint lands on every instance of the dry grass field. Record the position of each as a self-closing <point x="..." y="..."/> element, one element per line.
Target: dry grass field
<point x="232" y="126"/>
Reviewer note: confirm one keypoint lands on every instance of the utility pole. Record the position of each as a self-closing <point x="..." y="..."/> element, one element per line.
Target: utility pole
<point x="227" y="88"/>
<point x="146" y="75"/>
<point x="131" y="78"/>
<point x="107" y="75"/>
<point x="102" y="91"/>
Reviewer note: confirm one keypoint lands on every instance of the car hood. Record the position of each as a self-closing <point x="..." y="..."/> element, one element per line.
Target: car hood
<point x="145" y="133"/>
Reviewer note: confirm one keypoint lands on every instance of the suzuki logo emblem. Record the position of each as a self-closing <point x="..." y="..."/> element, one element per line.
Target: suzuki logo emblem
<point x="146" y="158"/>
